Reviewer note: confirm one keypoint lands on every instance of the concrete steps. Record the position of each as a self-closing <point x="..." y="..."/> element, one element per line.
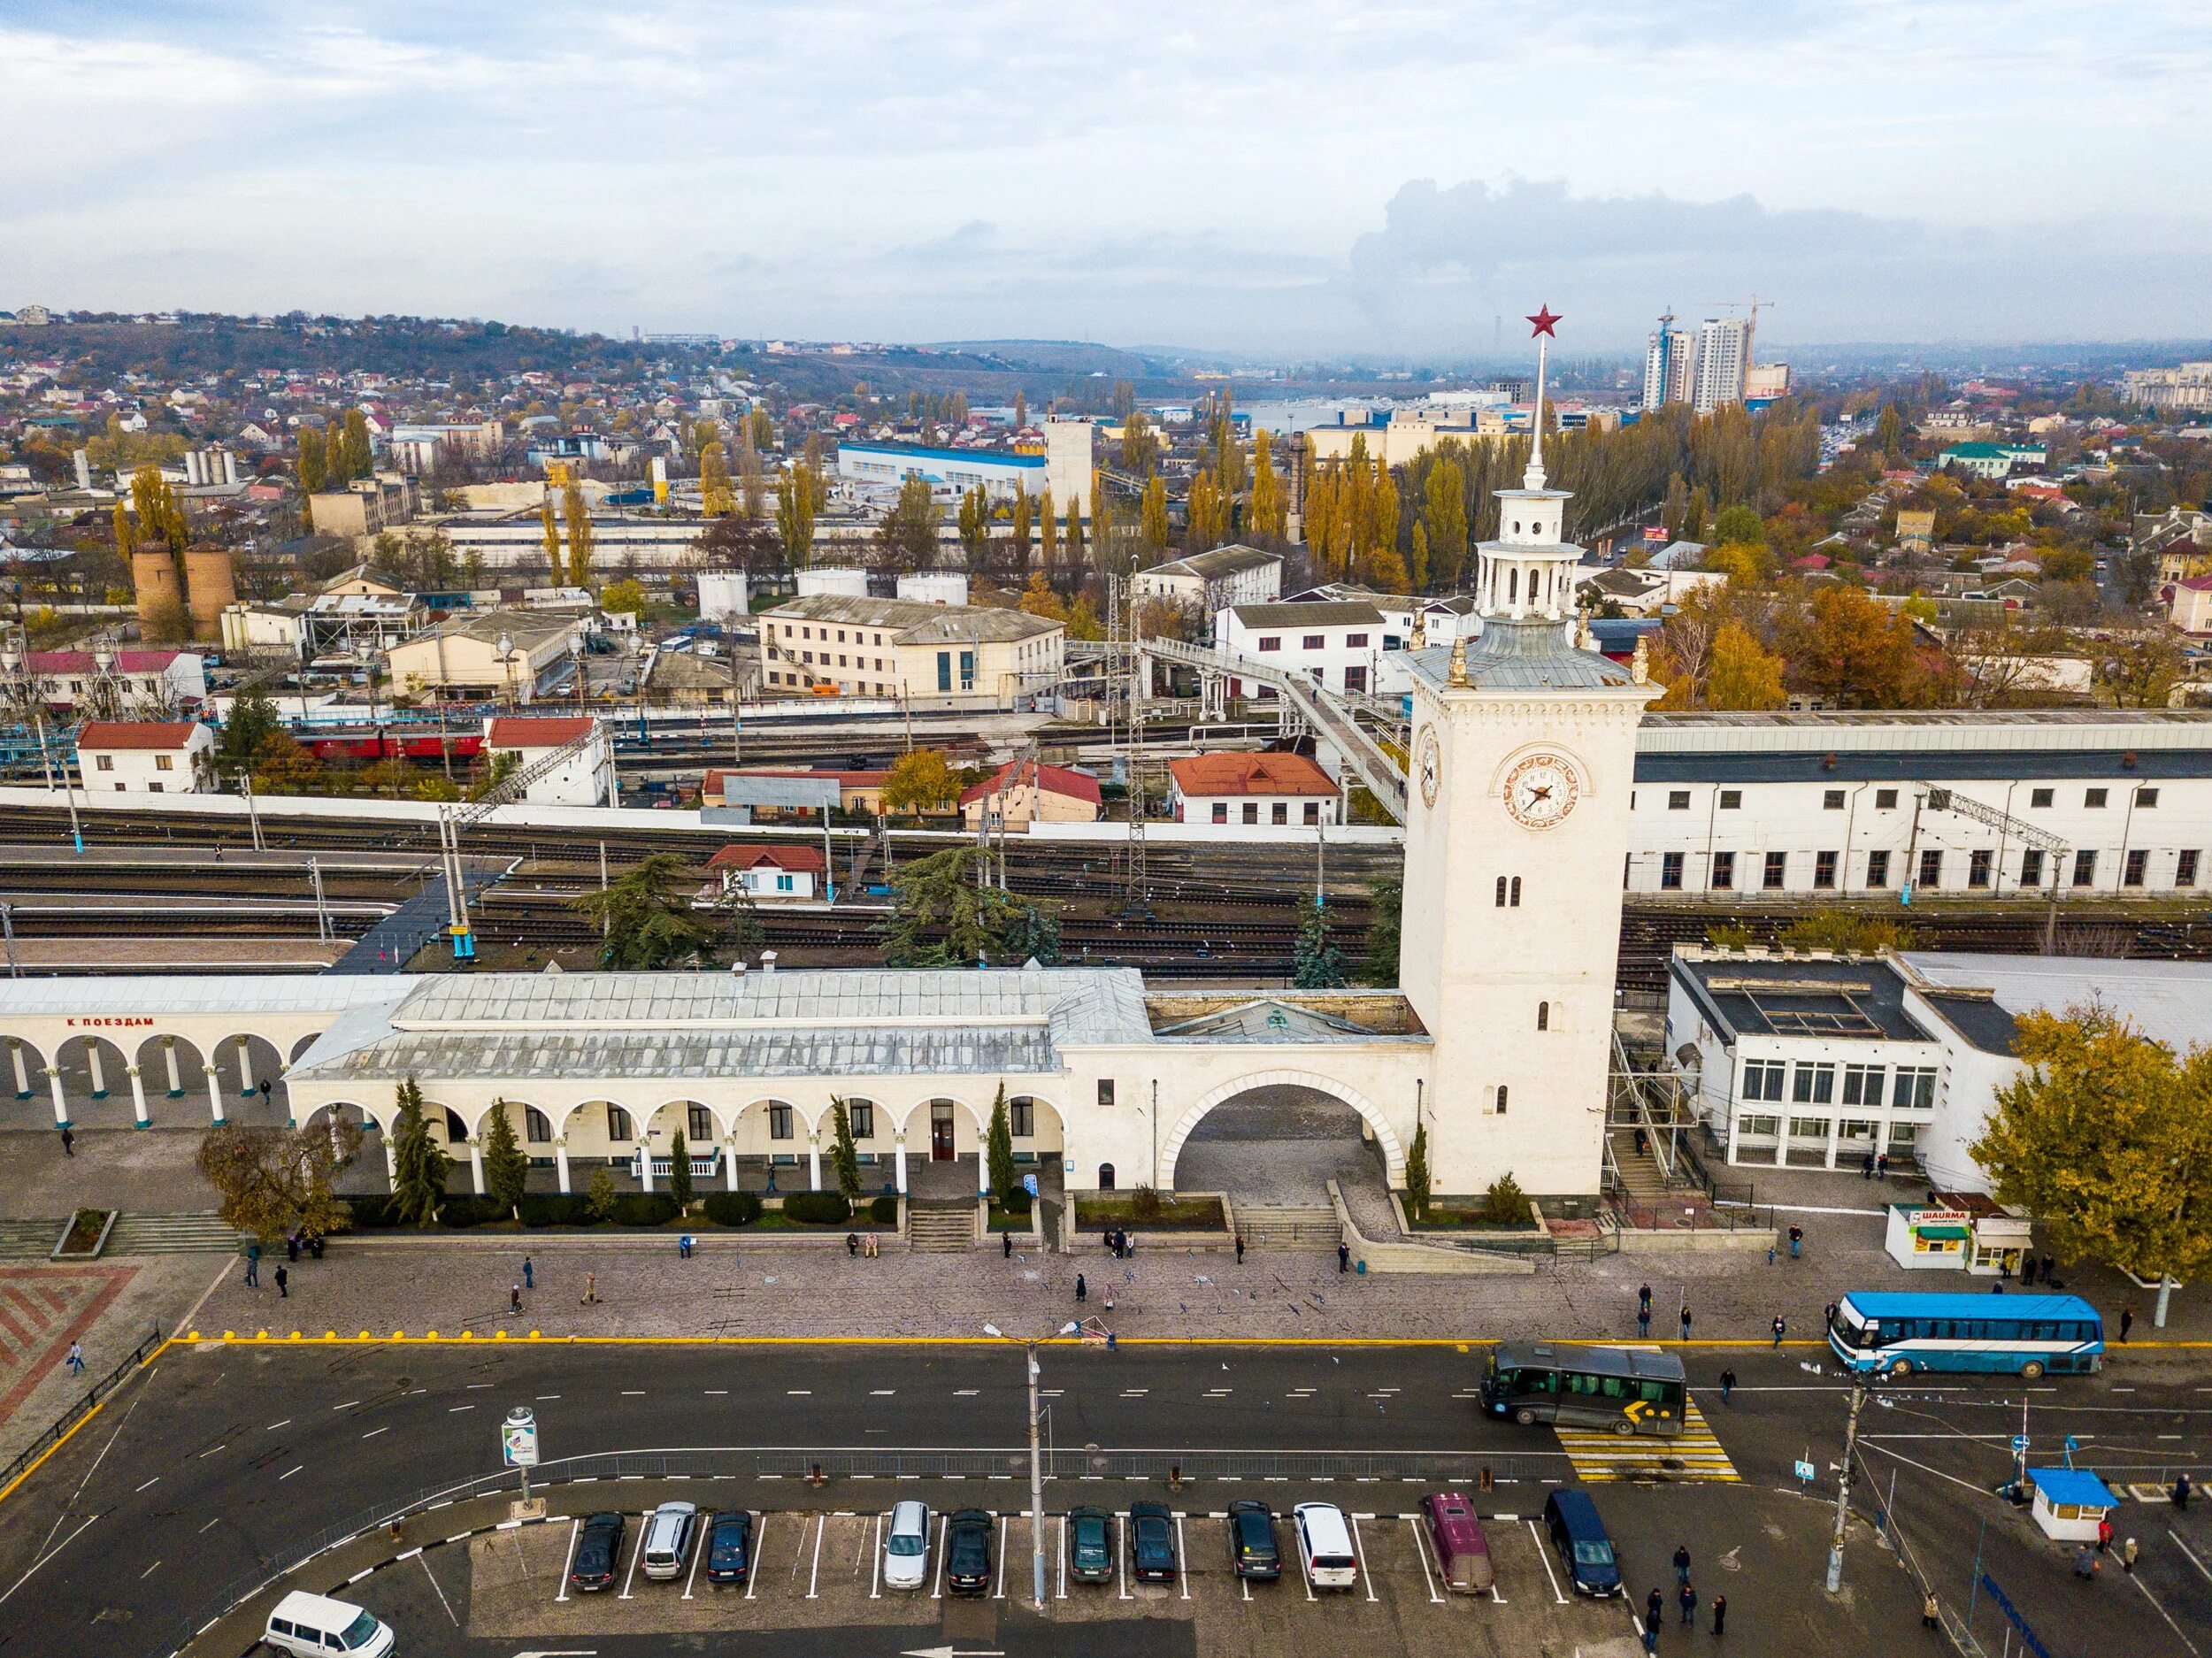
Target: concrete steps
<point x="1288" y="1228"/>
<point x="939" y="1228"/>
<point x="171" y="1234"/>
<point x="1641" y="1174"/>
<point x="29" y="1240"/>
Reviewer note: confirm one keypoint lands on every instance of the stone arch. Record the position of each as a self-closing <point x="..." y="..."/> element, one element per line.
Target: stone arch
<point x="187" y="1079"/>
<point x="300" y="1047"/>
<point x="240" y="1071"/>
<point x="712" y="1146"/>
<point x="95" y="1069"/>
<point x="1386" y="1136"/>
<point x="27" y="1068"/>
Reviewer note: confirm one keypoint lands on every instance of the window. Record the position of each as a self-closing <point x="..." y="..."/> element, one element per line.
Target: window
<point x="1314" y="641"/>
<point x="1878" y="868"/>
<point x="1543" y="1015"/>
<point x="1501" y="1106"/>
<point x="785" y="884"/>
<point x="1677" y="799"/>
<point x="1763" y="1078"/>
<point x="2031" y="867"/>
<point x="699" y="1125"/>
<point x="967" y="670"/>
<point x="1885" y="799"/>
<point x="1021" y="1119"/>
<point x="165" y="762"/>
<point x="1809" y="1128"/>
<point x="1515" y="901"/>
<point x="1278" y="812"/>
<point x="1862" y="1084"/>
<point x="780" y="1122"/>
<point x="2185" y="869"/>
<point x="1731" y="799"/>
<point x="1762" y="1126"/>
<point x="1825" y="869"/>
<point x="944" y="671"/>
<point x="1903" y="1134"/>
<point x="1356" y="641"/>
<point x="1105" y="1177"/>
<point x="1500" y="892"/>
<point x="1930" y="868"/>
<point x="2084" y="869"/>
<point x="1251" y="811"/>
<point x="619" y="1128"/>
<point x="2132" y="874"/>
<point x="1813" y="1085"/>
<point x="106" y="763"/>
<point x="1356" y="679"/>
<point x="2095" y="799"/>
<point x="1271" y="641"/>
<point x="1777" y="866"/>
<point x="1914" y="1088"/>
<point x="2037" y="797"/>
<point x="1831" y="799"/>
<point x="535" y="1129"/>
<point x="1978" y="868"/>
<point x="862" y="1115"/>
<point x="1313" y="812"/>
<point x="1221" y="811"/>
<point x="151" y="789"/>
<point x="2146" y="798"/>
<point x="1723" y="872"/>
<point x="1669" y="871"/>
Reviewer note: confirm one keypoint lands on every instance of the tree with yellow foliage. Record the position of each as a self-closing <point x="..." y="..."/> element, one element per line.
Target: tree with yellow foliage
<point x="1708" y="655"/>
<point x="1203" y="511"/>
<point x="717" y="498"/>
<point x="1023" y="511"/>
<point x="1039" y="599"/>
<point x="1269" y="514"/>
<point x="1047" y="530"/>
<point x="550" y="539"/>
<point x="1152" y="513"/>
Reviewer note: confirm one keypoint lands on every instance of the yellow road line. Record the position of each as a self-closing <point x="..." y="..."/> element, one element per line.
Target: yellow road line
<point x="39" y="1461"/>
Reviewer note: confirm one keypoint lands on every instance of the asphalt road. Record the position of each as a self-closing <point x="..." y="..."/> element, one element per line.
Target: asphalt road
<point x="229" y="1461"/>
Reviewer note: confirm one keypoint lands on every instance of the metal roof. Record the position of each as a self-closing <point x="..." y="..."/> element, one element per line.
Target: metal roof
<point x="1938" y="729"/>
<point x="1853" y="998"/>
<point x="183" y="994"/>
<point x="1316" y="613"/>
<point x="1528" y="655"/>
<point x="914" y="622"/>
<point x="2169" y="1001"/>
<point x="1918" y="764"/>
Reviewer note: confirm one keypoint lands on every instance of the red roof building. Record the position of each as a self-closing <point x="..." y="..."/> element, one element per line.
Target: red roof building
<point x="513" y="730"/>
<point x="152" y="736"/>
<point x="1230" y="791"/>
<point x="1023" y="792"/>
<point x="807" y="860"/>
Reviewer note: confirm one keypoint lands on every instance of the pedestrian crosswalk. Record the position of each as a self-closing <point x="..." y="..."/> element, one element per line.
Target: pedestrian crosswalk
<point x="1598" y="1453"/>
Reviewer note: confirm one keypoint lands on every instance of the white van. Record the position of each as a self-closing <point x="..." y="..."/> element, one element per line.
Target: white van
<point x="668" y="1539"/>
<point x="315" y="1626"/>
<point x="1325" y="1546"/>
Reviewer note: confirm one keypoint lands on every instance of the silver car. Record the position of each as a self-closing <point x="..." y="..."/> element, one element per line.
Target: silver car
<point x="906" y="1547"/>
<point x="668" y="1534"/>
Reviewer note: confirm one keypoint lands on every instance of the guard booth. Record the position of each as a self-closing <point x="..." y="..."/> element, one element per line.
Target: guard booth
<point x="1922" y="1236"/>
<point x="2071" y="1504"/>
<point x="2000" y="1244"/>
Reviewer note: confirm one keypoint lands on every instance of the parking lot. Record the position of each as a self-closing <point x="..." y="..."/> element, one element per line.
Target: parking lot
<point x="824" y="1570"/>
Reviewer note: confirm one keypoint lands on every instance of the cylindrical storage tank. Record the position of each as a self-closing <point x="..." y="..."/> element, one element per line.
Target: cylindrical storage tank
<point x="834" y="581"/>
<point x="208" y="582"/>
<point x="934" y="586"/>
<point x="154" y="579"/>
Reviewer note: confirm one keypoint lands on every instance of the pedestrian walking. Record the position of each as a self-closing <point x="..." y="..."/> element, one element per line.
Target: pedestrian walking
<point x="1828" y="1317"/>
<point x="2085" y="1563"/>
<point x="2127" y="1322"/>
<point x="1866" y="1167"/>
<point x="1106" y="1237"/>
<point x="2127" y="1555"/>
<point x="1686" y="1321"/>
<point x="1651" y="1637"/>
<point x="1769" y="1254"/>
<point x="529" y="1274"/>
<point x="253" y="1266"/>
<point x="1643" y="1298"/>
<point x="2027" y="1270"/>
<point x="315" y="1245"/>
<point x="1781" y="1329"/>
<point x="591" y="1290"/>
<point x="1343" y="1256"/>
<point x="1240" y="1249"/>
<point x="1688" y="1598"/>
<point x="1006" y="1245"/>
<point x="1727" y="1384"/>
<point x="2104" y="1537"/>
<point x="1931" y="1614"/>
<point x="292" y="1247"/>
<point x="1107" y="1299"/>
<point x="1082" y="1291"/>
<point x="1797" y="1240"/>
<point x="2181" y="1491"/>
<point x="1881" y="1167"/>
<point x="1720" y="1615"/>
<point x="76" y="1358"/>
<point x="2004" y="1264"/>
<point x="1655" y="1608"/>
<point x="514" y="1299"/>
<point x="266" y="1091"/>
<point x="2048" y="1263"/>
<point x="68" y="1141"/>
<point x="283" y="1283"/>
<point x="1681" y="1562"/>
<point x="1643" y="1324"/>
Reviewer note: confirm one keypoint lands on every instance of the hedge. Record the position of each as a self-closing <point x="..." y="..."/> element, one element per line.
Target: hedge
<point x="1016" y="1201"/>
<point x="884" y="1212"/>
<point x="372" y="1211"/>
<point x="733" y="1209"/>
<point x="818" y="1208"/>
<point x="470" y="1211"/>
<point x="556" y="1209"/>
<point x="645" y="1209"/>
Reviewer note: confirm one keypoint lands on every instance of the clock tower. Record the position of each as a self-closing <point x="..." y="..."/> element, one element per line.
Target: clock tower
<point x="1517" y="835"/>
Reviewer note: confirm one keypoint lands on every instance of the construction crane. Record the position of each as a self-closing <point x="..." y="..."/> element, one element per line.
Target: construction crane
<point x="455" y="816"/>
<point x="1754" y="305"/>
<point x="1937" y="799"/>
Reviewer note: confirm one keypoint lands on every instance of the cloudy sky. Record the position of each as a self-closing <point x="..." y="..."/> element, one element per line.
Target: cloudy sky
<point x="1276" y="176"/>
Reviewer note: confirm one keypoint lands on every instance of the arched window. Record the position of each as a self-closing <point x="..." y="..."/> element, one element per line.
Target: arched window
<point x="1500" y="892"/>
<point x="1501" y="1099"/>
<point x="1543" y="1015"/>
<point x="618" y="1128"/>
<point x="1516" y="893"/>
<point x="1105" y="1177"/>
<point x="455" y="1130"/>
<point x="535" y="1128"/>
<point x="1513" y="582"/>
<point x="699" y="1125"/>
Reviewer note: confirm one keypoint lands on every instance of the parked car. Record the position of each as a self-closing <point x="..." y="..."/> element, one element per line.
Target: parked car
<point x="315" y="1626"/>
<point x="1325" y="1546"/>
<point x="730" y="1547"/>
<point x="1463" y="1553"/>
<point x="1152" y="1542"/>
<point x="1091" y="1545"/>
<point x="598" y="1553"/>
<point x="906" y="1547"/>
<point x="968" y="1552"/>
<point x="1252" y="1551"/>
<point x="669" y="1529"/>
<point x="1578" y="1536"/>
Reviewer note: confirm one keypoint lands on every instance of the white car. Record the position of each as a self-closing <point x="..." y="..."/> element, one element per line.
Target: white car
<point x="906" y="1547"/>
<point x="668" y="1539"/>
<point x="1325" y="1546"/>
<point x="315" y="1626"/>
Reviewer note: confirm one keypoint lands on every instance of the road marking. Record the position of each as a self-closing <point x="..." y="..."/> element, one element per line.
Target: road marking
<point x="433" y="1584"/>
<point x="1366" y="1578"/>
<point x="289" y="1473"/>
<point x="150" y="1571"/>
<point x="798" y="1393"/>
<point x="273" y="1426"/>
<point x="999" y="1592"/>
<point x="1543" y="1553"/>
<point x="348" y="1405"/>
<point x="2136" y="1577"/>
<point x="814" y="1574"/>
<point x="568" y="1560"/>
<point x="1421" y="1547"/>
<point x="372" y="1432"/>
<point x="630" y="1576"/>
<point x="1062" y="1594"/>
<point x="937" y="1589"/>
<point x="717" y="1392"/>
<point x="154" y="1481"/>
<point x="1599" y="1455"/>
<point x="455" y="1410"/>
<point x="1121" y="1551"/>
<point x="204" y="1531"/>
<point x="698" y="1554"/>
<point x="760" y="1546"/>
<point x="875" y="1568"/>
<point x="881" y="1392"/>
<point x="965" y="1393"/>
<point x="472" y="1386"/>
<point x="1182" y="1557"/>
<point x="548" y="1395"/>
<point x="1134" y="1393"/>
<point x="2194" y="1560"/>
<point x="1968" y="1484"/>
<point x="634" y="1393"/>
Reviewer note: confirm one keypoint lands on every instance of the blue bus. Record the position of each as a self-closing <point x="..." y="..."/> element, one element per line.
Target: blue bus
<point x="2014" y="1335"/>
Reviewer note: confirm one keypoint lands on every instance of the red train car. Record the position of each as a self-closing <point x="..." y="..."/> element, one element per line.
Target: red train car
<point x="411" y="742"/>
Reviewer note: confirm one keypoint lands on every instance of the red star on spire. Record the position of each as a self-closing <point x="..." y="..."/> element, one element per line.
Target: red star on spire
<point x="1543" y="320"/>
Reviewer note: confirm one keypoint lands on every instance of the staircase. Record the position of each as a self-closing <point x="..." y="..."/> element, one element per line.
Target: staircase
<point x="1641" y="1176"/>
<point x="171" y="1234"/>
<point x="939" y="1228"/>
<point x="29" y="1240"/>
<point x="1288" y="1228"/>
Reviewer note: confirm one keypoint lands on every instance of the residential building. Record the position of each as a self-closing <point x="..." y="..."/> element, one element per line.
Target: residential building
<point x="899" y="648"/>
<point x="1723" y="354"/>
<point x="1340" y="644"/>
<point x="1992" y="460"/>
<point x="1669" y="365"/>
<point x="1915" y="528"/>
<point x="512" y="538"/>
<point x="1231" y="792"/>
<point x="2189" y="604"/>
<point x="2184" y="390"/>
<point x="510" y="655"/>
<point x="585" y="778"/>
<point x="145" y="758"/>
<point x="1064" y="467"/>
<point x="365" y="507"/>
<point x="73" y="681"/>
<point x="1023" y="792"/>
<point x="414" y="448"/>
<point x="768" y="874"/>
<point x="1763" y="382"/>
<point x="1210" y="582"/>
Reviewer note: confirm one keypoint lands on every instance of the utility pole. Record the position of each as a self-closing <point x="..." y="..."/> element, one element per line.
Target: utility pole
<point x="1843" y="1489"/>
<point x="1036" y="1488"/>
<point x="605" y="919"/>
<point x="253" y="812"/>
<point x="322" y="909"/>
<point x="7" y="931"/>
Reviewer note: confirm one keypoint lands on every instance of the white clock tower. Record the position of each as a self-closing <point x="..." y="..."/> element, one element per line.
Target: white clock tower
<point x="1517" y="835"/>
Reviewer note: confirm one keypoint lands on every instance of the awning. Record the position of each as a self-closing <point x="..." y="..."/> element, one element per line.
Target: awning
<point x="1958" y="1234"/>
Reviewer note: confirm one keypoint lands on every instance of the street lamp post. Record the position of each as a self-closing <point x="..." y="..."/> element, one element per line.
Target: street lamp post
<point x="505" y="651"/>
<point x="1843" y="1487"/>
<point x="576" y="659"/>
<point x="1036" y="1459"/>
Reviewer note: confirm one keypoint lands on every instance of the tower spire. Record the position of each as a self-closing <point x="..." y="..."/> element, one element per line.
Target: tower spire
<point x="1543" y="320"/>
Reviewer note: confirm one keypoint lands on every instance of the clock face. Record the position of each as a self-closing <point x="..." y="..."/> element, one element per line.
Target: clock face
<point x="1428" y="765"/>
<point x="1541" y="790"/>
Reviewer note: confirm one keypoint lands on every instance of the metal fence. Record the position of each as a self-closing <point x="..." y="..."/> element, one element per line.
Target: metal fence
<point x="78" y="1409"/>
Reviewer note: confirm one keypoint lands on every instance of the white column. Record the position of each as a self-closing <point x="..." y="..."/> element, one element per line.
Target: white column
<point x="814" y="1160"/>
<point x="214" y="1095"/>
<point x="61" y="1105"/>
<point x="645" y="1160"/>
<point x="138" y="1099"/>
<point x="176" y="1082"/>
<point x="898" y="1163"/>
<point x="22" y="1074"/>
<point x="245" y="1070"/>
<point x="560" y="1159"/>
<point x="99" y="1075"/>
<point x="476" y="1164"/>
<point x="1835" y="1132"/>
<point x="982" y="1169"/>
<point x="729" y="1162"/>
<point x="391" y="1162"/>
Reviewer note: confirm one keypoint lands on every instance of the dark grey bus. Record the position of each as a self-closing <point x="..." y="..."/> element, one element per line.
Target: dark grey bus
<point x="1627" y="1390"/>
